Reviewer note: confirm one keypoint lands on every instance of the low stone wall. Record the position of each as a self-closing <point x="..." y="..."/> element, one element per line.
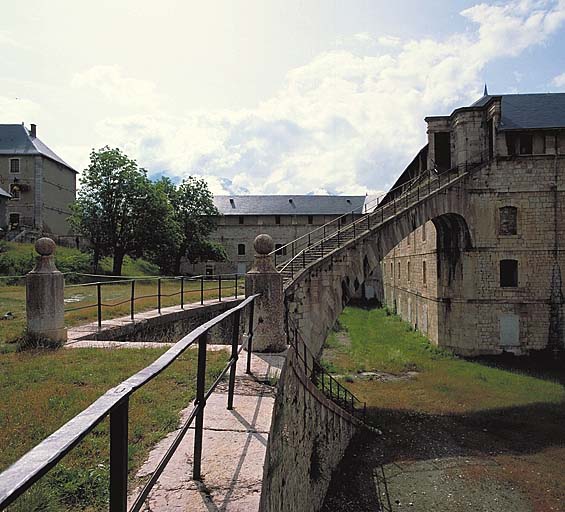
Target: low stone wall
<point x="308" y="438"/>
<point x="171" y="326"/>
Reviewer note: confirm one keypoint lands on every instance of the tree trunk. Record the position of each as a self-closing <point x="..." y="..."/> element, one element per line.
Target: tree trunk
<point x="96" y="258"/>
<point x="176" y="269"/>
<point x="118" y="261"/>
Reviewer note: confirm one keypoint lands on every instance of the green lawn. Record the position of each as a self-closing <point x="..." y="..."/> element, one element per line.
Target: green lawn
<point x="444" y="383"/>
<point x="42" y="390"/>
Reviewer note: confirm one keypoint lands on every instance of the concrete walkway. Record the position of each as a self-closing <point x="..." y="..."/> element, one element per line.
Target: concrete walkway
<point x="234" y="447"/>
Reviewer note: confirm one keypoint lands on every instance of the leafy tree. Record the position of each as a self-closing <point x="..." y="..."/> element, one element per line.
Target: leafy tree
<point x="120" y="210"/>
<point x="194" y="214"/>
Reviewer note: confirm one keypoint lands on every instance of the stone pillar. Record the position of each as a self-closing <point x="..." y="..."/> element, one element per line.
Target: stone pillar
<point x="45" y="295"/>
<point x="263" y="278"/>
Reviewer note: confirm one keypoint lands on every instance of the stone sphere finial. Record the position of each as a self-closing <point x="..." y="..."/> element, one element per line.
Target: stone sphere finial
<point x="45" y="246"/>
<point x="263" y="244"/>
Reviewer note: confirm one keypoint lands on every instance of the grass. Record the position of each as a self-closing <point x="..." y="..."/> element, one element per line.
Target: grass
<point x="42" y="390"/>
<point x="444" y="383"/>
<point x="114" y="296"/>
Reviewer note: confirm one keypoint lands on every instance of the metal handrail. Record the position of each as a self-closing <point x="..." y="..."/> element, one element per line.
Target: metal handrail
<point x="320" y="377"/>
<point x="429" y="176"/>
<point x="21" y="475"/>
<point x="360" y="208"/>
<point x="99" y="304"/>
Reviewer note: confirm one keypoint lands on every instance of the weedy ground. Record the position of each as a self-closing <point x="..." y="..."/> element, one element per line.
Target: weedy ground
<point x="498" y="421"/>
<point x="42" y="390"/>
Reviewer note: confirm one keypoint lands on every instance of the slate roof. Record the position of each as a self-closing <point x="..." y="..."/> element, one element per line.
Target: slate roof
<point x="287" y="205"/>
<point x="529" y="111"/>
<point x="16" y="140"/>
<point x="3" y="193"/>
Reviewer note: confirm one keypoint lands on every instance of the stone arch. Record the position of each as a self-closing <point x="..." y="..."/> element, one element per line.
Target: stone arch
<point x="319" y="293"/>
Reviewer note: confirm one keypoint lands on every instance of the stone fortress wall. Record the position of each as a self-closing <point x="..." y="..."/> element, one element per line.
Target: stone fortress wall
<point x="503" y="291"/>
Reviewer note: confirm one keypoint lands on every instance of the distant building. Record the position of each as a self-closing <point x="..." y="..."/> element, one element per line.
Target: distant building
<point x="42" y="185"/>
<point x="4" y="197"/>
<point x="284" y="217"/>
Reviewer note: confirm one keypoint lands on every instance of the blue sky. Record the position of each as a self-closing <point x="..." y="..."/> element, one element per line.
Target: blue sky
<point x="264" y="96"/>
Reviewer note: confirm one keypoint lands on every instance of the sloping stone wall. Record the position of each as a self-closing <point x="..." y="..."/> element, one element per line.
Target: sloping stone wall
<point x="308" y="438"/>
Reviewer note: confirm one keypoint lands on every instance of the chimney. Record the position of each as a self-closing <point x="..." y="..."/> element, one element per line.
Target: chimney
<point x="33" y="131"/>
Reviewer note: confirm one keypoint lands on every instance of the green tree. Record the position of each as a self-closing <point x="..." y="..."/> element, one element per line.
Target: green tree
<point x="195" y="216"/>
<point x="120" y="210"/>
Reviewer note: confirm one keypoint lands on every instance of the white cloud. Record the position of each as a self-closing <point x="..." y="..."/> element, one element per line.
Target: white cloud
<point x="17" y="110"/>
<point x="559" y="81"/>
<point x="344" y="123"/>
<point x="117" y="88"/>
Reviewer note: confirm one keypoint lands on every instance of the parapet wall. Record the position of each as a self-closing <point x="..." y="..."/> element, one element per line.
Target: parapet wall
<point x="308" y="438"/>
<point x="170" y="326"/>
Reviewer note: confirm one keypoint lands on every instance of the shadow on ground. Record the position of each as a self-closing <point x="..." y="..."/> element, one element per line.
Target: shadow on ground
<point x="491" y="460"/>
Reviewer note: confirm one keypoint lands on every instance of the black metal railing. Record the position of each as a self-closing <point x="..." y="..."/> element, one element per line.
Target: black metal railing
<point x="334" y="234"/>
<point x="30" y="468"/>
<point x="320" y="377"/>
<point x="195" y="289"/>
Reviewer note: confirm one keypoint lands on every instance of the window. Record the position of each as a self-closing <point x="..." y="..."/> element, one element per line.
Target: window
<point x="310" y="219"/>
<point x="398" y="266"/>
<point x="14" y="220"/>
<point x="391" y="271"/>
<point x="408" y="271"/>
<point x="508" y="220"/>
<point x="424" y="272"/>
<point x="277" y="219"/>
<point x="15" y="192"/>
<point x="241" y="219"/>
<point x="526" y="144"/>
<point x="424" y="232"/>
<point x="442" y="142"/>
<point x="209" y="270"/>
<point x="508" y="273"/>
<point x="241" y="249"/>
<point x="14" y="165"/>
<point x="280" y="249"/>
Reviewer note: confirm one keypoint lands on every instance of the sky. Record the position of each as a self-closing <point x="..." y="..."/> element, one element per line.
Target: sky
<point x="265" y="96"/>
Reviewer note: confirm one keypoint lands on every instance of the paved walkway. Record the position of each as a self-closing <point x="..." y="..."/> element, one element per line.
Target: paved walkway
<point x="234" y="447"/>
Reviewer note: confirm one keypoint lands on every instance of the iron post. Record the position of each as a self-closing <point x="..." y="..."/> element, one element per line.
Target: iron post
<point x="99" y="310"/>
<point x="233" y="359"/>
<point x="201" y="404"/>
<point x="132" y="299"/>
<point x="119" y="457"/>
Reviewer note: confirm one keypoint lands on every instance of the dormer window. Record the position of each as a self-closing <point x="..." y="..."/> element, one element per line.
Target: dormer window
<point x="14" y="165"/>
<point x="232" y="202"/>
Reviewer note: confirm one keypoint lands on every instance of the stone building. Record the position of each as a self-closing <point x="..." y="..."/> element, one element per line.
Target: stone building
<point x="42" y="184"/>
<point x="285" y="218"/>
<point x="488" y="278"/>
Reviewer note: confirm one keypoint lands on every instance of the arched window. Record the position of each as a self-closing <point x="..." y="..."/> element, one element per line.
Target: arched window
<point x="241" y="249"/>
<point x="508" y="273"/>
<point x="508" y="220"/>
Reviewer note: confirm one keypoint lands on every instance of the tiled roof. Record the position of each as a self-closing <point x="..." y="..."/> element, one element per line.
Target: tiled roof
<point x="16" y="140"/>
<point x="529" y="111"/>
<point x="287" y="205"/>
